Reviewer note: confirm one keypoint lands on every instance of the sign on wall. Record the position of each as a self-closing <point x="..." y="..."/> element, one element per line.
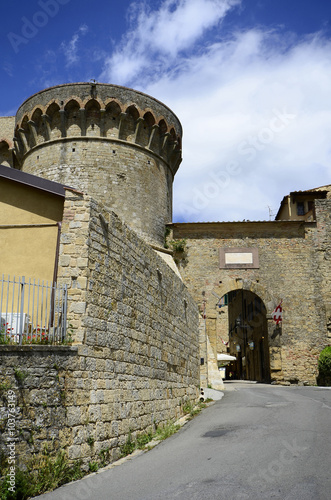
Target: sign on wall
<point x="239" y="258"/>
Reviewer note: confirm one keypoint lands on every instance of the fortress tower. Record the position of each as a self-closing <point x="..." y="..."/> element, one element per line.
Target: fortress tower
<point x="119" y="145"/>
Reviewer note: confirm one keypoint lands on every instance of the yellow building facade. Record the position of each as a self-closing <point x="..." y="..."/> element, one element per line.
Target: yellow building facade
<point x="30" y="216"/>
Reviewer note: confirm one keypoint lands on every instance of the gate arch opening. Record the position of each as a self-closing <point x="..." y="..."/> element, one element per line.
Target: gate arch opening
<point x="247" y="336"/>
<point x="234" y="323"/>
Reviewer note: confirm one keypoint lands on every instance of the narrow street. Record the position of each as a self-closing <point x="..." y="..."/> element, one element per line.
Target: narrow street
<point x="259" y="442"/>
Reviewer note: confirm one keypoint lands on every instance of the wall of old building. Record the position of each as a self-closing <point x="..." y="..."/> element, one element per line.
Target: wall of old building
<point x="293" y="260"/>
<point x="134" y="359"/>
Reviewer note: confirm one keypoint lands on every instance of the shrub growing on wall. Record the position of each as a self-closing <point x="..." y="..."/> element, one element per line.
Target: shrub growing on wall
<point x="324" y="367"/>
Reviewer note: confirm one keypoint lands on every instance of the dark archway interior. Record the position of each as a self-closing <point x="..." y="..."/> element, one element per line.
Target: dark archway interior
<point x="248" y="336"/>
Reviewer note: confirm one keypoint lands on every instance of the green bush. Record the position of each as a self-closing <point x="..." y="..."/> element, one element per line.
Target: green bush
<point x="324" y="367"/>
<point x="178" y="245"/>
<point x="128" y="447"/>
<point x="42" y="475"/>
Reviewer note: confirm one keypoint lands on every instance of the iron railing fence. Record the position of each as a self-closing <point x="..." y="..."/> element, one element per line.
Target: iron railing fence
<point x="32" y="312"/>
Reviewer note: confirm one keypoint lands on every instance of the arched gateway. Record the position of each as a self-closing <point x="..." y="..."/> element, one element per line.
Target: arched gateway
<point x="236" y="321"/>
<point x="262" y="263"/>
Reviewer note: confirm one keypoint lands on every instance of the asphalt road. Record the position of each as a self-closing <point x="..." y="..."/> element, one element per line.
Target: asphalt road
<point x="259" y="442"/>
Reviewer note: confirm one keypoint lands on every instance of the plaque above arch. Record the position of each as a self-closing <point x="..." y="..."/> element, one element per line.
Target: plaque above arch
<point x="239" y="258"/>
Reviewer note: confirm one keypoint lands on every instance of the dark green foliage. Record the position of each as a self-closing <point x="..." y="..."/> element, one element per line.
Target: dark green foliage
<point x="42" y="476"/>
<point x="324" y="367"/>
<point x="128" y="447"/>
<point x="143" y="439"/>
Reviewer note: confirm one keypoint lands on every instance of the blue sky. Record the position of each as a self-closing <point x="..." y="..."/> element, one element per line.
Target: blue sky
<point x="250" y="81"/>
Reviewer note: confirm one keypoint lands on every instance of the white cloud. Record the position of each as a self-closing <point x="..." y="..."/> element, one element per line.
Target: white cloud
<point x="70" y="48"/>
<point x="256" y="108"/>
<point x="157" y="37"/>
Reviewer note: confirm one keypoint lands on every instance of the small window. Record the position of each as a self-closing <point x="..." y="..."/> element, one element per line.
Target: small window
<point x="223" y="301"/>
<point x="300" y="208"/>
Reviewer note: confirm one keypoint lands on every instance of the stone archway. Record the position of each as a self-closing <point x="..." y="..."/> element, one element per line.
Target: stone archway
<point x="237" y="320"/>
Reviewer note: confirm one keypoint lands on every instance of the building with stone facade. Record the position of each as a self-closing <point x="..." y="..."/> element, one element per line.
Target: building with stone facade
<point x="92" y="165"/>
<point x="239" y="272"/>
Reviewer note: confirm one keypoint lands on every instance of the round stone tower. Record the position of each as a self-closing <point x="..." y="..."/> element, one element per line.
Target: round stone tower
<point x="119" y="145"/>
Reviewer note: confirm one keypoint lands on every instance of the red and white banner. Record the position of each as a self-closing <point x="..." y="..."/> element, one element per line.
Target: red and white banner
<point x="277" y="314"/>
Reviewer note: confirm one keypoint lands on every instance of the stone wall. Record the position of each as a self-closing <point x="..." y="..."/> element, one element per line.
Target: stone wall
<point x="7" y="124"/>
<point x="293" y="267"/>
<point x="135" y="356"/>
<point x="322" y="244"/>
<point x="34" y="379"/>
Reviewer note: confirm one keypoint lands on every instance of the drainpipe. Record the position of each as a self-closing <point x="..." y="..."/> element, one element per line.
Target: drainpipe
<point x="56" y="267"/>
<point x="57" y="252"/>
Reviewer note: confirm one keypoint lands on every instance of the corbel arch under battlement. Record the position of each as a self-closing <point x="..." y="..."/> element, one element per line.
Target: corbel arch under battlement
<point x="163" y="125"/>
<point x="37" y="127"/>
<point x="72" y="118"/>
<point x="129" y="123"/>
<point x="64" y="104"/>
<point x="91" y="101"/>
<point x="93" y="118"/>
<point x="111" y="123"/>
<point x="133" y="111"/>
<point x="113" y="103"/>
<point x="72" y="103"/>
<point x="24" y="123"/>
<point x="149" y="118"/>
<point x="36" y="114"/>
<point x="52" y="107"/>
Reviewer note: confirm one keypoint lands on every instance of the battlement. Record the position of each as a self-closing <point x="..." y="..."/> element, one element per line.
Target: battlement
<point x="119" y="145"/>
<point x="98" y="110"/>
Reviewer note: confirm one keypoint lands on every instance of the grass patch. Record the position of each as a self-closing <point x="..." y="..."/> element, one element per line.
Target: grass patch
<point x="19" y="375"/>
<point x="40" y="477"/>
<point x="90" y="441"/>
<point x="93" y="466"/>
<point x="144" y="439"/>
<point x="191" y="409"/>
<point x="128" y="447"/>
<point x="141" y="442"/>
<point x="167" y="430"/>
<point x="324" y="367"/>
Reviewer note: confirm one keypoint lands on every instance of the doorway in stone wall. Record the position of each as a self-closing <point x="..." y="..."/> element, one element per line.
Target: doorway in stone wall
<point x="243" y="333"/>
